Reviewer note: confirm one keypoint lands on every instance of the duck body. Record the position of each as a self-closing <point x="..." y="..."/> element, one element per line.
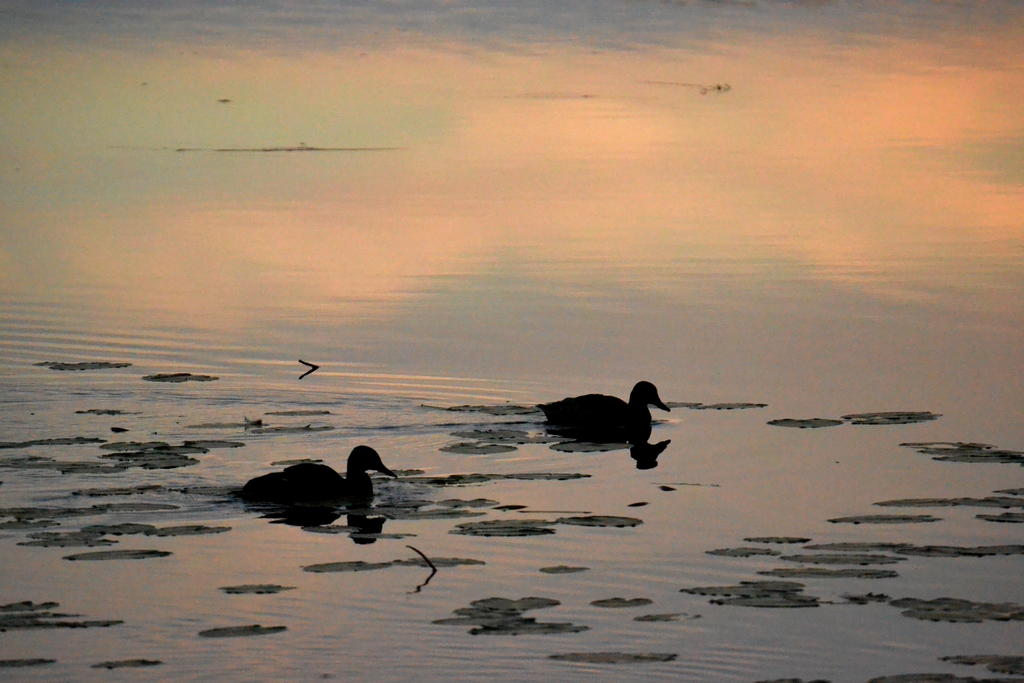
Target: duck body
<point x="597" y="411"/>
<point x="313" y="483"/>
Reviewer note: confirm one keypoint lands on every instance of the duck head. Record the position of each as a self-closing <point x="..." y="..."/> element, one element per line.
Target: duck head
<point x="646" y="394"/>
<point x="363" y="458"/>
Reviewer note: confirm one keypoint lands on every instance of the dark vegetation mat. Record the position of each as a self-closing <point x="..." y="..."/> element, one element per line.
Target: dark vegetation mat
<point x="502" y="616"/>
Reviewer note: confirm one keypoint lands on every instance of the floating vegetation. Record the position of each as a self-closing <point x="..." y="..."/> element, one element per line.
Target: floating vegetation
<point x="505" y="528"/>
<point x="508" y="436"/>
<point x="118" y="555"/>
<point x="1006" y="517"/>
<point x="777" y="539"/>
<point x="1000" y="664"/>
<point x="71" y="539"/>
<point x="299" y="413"/>
<point x="467" y="479"/>
<point x="62" y="441"/>
<point x="957" y="610"/>
<point x="22" y="663"/>
<point x="988" y="502"/>
<point x="728" y="406"/>
<point x="563" y="569"/>
<point x="118" y="491"/>
<point x="825" y="573"/>
<point x="959" y="551"/>
<point x="459" y="503"/>
<point x="105" y="411"/>
<point x="502" y="616"/>
<point x="620" y="603"/>
<point x="296" y="461"/>
<point x="241" y="631"/>
<point x="289" y="430"/>
<point x="886" y="519"/>
<point x="87" y="365"/>
<point x="809" y="423"/>
<point x="179" y="377"/>
<point x="758" y="594"/>
<point x="601" y="521"/>
<point x="853" y="558"/>
<point x="672" y="616"/>
<point x="742" y="552"/>
<point x="890" y="418"/>
<point x="28" y="615"/>
<point x="129" y="529"/>
<point x="127" y="664"/>
<point x="639" y="504"/>
<point x="23" y="524"/>
<point x="256" y="589"/>
<point x="500" y="410"/>
<point x="588" y="447"/>
<point x="956" y="451"/>
<point x="360" y="566"/>
<point x="859" y="547"/>
<point x="614" y="657"/>
<point x="467" y="448"/>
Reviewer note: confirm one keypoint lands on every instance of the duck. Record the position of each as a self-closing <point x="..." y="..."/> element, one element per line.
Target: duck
<point x="312" y="483"/>
<point x="597" y="411"/>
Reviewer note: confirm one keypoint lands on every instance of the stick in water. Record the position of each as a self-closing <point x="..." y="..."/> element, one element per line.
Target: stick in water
<point x="312" y="368"/>
<point x="427" y="560"/>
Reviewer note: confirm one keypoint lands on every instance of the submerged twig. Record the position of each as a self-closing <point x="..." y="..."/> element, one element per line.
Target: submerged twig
<point x="431" y="564"/>
<point x="312" y="368"/>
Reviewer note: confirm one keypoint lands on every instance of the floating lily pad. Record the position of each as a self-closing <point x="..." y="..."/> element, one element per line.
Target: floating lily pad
<point x="1012" y="492"/>
<point x="671" y="616"/>
<point x="619" y="603"/>
<point x="742" y="552"/>
<point x="28" y="615"/>
<point x="71" y="539"/>
<point x="23" y="663"/>
<point x="459" y="503"/>
<point x="291" y="430"/>
<point x="759" y="594"/>
<point x="88" y="365"/>
<point x="118" y="555"/>
<point x="505" y="528"/>
<point x="256" y="589"/>
<point x="563" y="569"/>
<point x="352" y="566"/>
<point x="127" y="664"/>
<point x="1000" y="664"/>
<point x="23" y="524"/>
<point x="588" y="447"/>
<point x="890" y="418"/>
<point x="544" y="476"/>
<point x="506" y="436"/>
<point x="957" y="610"/>
<point x="809" y="423"/>
<point x="614" y="657"/>
<point x="241" y="631"/>
<point x="296" y="461"/>
<point x="105" y="411"/>
<point x="825" y="573"/>
<point x="934" y="678"/>
<point x="886" y="519"/>
<point x="959" y="551"/>
<point x="853" y="558"/>
<point x="118" y="491"/>
<point x="502" y="409"/>
<point x="300" y="413"/>
<point x="601" y="521"/>
<point x="988" y="502"/>
<point x="777" y="539"/>
<point x="502" y="616"/>
<point x="957" y="451"/>
<point x="61" y="441"/>
<point x="859" y="547"/>
<point x="466" y="448"/>
<point x="728" y="406"/>
<point x="439" y="562"/>
<point x="866" y="598"/>
<point x="1006" y="517"/>
<point x="179" y="377"/>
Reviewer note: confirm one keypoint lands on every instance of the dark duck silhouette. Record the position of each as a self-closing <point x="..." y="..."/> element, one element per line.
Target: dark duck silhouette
<point x="598" y="410"/>
<point x="313" y="483"/>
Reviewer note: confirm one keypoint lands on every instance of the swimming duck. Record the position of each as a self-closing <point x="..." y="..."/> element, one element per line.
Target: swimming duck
<point x="604" y="412"/>
<point x="310" y="482"/>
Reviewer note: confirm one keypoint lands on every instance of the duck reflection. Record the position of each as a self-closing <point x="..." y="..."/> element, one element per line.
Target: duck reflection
<point x="646" y="454"/>
<point x="361" y="528"/>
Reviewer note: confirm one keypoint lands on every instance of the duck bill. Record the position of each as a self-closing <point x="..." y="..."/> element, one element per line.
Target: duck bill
<point x="386" y="471"/>
<point x="658" y="403"/>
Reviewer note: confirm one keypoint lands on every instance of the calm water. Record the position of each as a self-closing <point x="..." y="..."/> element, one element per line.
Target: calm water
<point x="817" y="207"/>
